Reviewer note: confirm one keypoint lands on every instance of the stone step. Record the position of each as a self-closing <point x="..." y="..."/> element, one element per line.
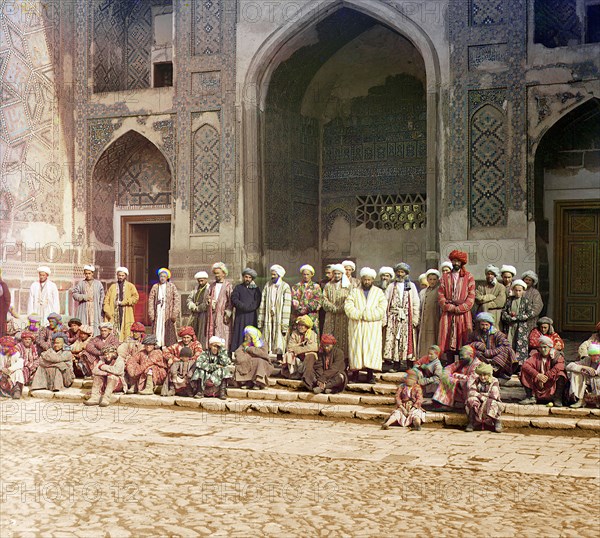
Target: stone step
<point x="273" y="401"/>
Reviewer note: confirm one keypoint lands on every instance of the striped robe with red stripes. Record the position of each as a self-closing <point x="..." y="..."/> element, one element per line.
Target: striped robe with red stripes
<point x="456" y="301"/>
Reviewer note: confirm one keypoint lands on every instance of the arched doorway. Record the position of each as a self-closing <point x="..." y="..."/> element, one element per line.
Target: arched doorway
<point x="567" y="215"/>
<point x="345" y="126"/>
<point x="131" y="211"/>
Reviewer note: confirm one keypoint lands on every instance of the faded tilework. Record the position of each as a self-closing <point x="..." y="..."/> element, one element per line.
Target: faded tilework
<point x="207" y="27"/>
<point x="487" y="25"/>
<point x="207" y="180"/>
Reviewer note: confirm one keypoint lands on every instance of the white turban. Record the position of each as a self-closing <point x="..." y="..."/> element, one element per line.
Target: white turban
<point x="519" y="282"/>
<point x="445" y="264"/>
<point x="422" y="276"/>
<point x="89" y="268"/>
<point x="44" y="269"/>
<point x="216" y="340"/>
<point x="279" y="270"/>
<point x="508" y="269"/>
<point x="491" y="268"/>
<point x="201" y="274"/>
<point x="350" y="263"/>
<point x="307" y="267"/>
<point x="367" y="271"/>
<point x="222" y="266"/>
<point x="123" y="270"/>
<point x="386" y="271"/>
<point x="432" y="272"/>
<point x="337" y="267"/>
<point x="531" y="275"/>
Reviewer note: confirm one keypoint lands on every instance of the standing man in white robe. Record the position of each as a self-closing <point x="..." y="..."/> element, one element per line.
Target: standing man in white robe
<point x="43" y="296"/>
<point x="88" y="294"/>
<point x="366" y="310"/>
<point x="274" y="312"/>
<point x="164" y="308"/>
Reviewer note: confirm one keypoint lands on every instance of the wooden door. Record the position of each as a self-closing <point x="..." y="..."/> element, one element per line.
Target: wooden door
<point x="577" y="264"/>
<point x="138" y="252"/>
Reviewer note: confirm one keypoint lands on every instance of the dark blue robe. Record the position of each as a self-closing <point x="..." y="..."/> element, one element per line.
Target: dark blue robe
<point x="246" y="302"/>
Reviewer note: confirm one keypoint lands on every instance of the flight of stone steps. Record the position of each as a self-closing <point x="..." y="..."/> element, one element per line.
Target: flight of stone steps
<point x="359" y="401"/>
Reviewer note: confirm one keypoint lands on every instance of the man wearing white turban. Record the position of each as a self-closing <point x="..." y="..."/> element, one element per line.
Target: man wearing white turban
<point x="274" y="312"/>
<point x="220" y="309"/>
<point x="306" y="298"/>
<point x="197" y="303"/>
<point x="120" y="300"/>
<point x="335" y="293"/>
<point x="88" y="294"/>
<point x="366" y="310"/>
<point x="491" y="296"/>
<point x="349" y="268"/>
<point x="43" y="296"/>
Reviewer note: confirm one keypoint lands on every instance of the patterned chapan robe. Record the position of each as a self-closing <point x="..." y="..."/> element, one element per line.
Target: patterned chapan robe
<point x="537" y="305"/>
<point x="366" y="316"/>
<point x="483" y="402"/>
<point x="89" y="296"/>
<point x="404" y="395"/>
<point x="493" y="348"/>
<point x="491" y="299"/>
<point x="553" y="367"/>
<point x="123" y="313"/>
<point x="515" y="326"/>
<point x="219" y="318"/>
<point x="31" y="360"/>
<point x="211" y="370"/>
<point x="306" y="299"/>
<point x="336" y="321"/>
<point x="44" y="337"/>
<point x="536" y="334"/>
<point x="274" y="316"/>
<point x="93" y="352"/>
<point x="197" y="304"/>
<point x="179" y="369"/>
<point x="138" y="365"/>
<point x="456" y="298"/>
<point x="163" y="310"/>
<point x="453" y="388"/>
<point x="403" y="311"/>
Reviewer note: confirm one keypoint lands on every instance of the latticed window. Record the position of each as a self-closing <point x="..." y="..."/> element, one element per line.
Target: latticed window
<point x="391" y="212"/>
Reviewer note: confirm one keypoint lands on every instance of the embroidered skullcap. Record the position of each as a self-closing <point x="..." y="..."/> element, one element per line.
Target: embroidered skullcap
<point x="250" y="271"/>
<point x="485" y="316"/>
<point x="337" y="267"/>
<point x="54" y="315"/>
<point x="201" y="274"/>
<point x="89" y="267"/>
<point x="404" y="266"/>
<point x="122" y="270"/>
<point x="594" y="349"/>
<point x="491" y="268"/>
<point x="307" y="267"/>
<point x="545" y="320"/>
<point x="546" y="341"/>
<point x="460" y="256"/>
<point x="385" y="270"/>
<point x="222" y="266"/>
<point x="60" y="335"/>
<point x="215" y="340"/>
<point x="368" y="272"/>
<point x="328" y="340"/>
<point x="484" y="369"/>
<point x="149" y="340"/>
<point x="74" y="321"/>
<point x="432" y="272"/>
<point x="44" y="269"/>
<point x="186" y="331"/>
<point x="109" y="350"/>
<point x="350" y="263"/>
<point x="411" y="373"/>
<point x="165" y="271"/>
<point x="306" y="321"/>
<point x="436" y="348"/>
<point x="138" y="327"/>
<point x="446" y="264"/>
<point x="278" y="269"/>
<point x="508" y="269"/>
<point x="27" y="334"/>
<point x="519" y="282"/>
<point x="8" y="341"/>
<point x="86" y="329"/>
<point x="532" y="275"/>
<point x="255" y="336"/>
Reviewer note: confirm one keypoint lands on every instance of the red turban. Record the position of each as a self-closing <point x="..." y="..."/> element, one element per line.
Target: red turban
<point x="186" y="331"/>
<point x="27" y="334"/>
<point x="8" y="341"/>
<point x="328" y="340"/>
<point x="459" y="255"/>
<point x="138" y="327"/>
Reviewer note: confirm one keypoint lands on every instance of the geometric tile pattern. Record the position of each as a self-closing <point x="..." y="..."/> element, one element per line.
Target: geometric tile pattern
<point x="487" y="12"/>
<point x="556" y="23"/>
<point x="487" y="165"/>
<point x="391" y="212"/>
<point x="206" y="180"/>
<point x="207" y="32"/>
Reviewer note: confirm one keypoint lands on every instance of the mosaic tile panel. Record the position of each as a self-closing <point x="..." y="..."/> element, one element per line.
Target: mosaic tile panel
<point x="487" y="12"/>
<point x="556" y="23"/>
<point x="206" y="180"/>
<point x="208" y="35"/>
